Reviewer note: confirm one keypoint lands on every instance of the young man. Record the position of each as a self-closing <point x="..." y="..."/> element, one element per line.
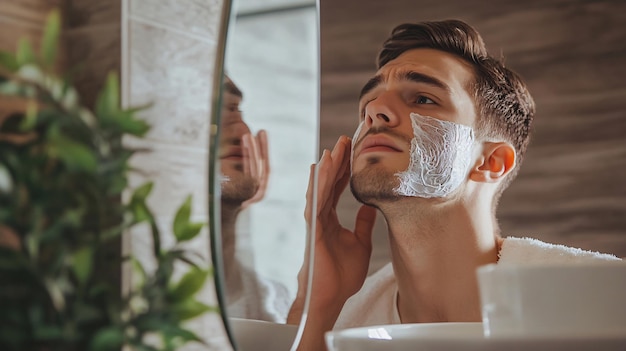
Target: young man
<point x="244" y="167"/>
<point x="442" y="131"/>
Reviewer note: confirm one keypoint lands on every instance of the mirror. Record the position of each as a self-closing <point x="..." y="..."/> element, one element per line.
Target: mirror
<point x="266" y="141"/>
<point x="571" y="53"/>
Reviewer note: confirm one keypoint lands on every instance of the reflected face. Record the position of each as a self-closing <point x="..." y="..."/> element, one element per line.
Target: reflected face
<point x="236" y="185"/>
<point x="424" y="81"/>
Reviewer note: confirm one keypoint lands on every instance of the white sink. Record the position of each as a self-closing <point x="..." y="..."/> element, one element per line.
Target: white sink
<point x="459" y="337"/>
<point x="254" y="335"/>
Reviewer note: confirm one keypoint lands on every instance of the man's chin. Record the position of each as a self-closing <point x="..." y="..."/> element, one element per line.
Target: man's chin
<point x="238" y="188"/>
<point x="374" y="186"/>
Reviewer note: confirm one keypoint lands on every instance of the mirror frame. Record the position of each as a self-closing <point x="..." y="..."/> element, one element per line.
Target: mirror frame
<point x="226" y="17"/>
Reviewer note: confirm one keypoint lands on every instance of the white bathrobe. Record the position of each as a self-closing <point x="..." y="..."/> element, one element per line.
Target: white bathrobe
<point x="260" y="299"/>
<point x="376" y="302"/>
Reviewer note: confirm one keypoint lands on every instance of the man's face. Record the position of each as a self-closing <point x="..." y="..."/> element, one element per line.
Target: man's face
<point x="424" y="81"/>
<point x="236" y="186"/>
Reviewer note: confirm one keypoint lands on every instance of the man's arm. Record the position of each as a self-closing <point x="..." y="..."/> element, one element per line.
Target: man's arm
<point x="341" y="256"/>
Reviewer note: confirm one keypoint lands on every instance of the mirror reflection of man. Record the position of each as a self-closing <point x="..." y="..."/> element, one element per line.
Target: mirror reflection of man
<point x="443" y="128"/>
<point x="244" y="170"/>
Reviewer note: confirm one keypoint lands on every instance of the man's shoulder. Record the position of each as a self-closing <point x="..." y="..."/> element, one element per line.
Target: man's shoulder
<point x="528" y="250"/>
<point x="379" y="283"/>
<point x="373" y="304"/>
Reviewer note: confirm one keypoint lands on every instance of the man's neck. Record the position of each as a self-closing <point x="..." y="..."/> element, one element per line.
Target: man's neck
<point x="229" y="245"/>
<point x="435" y="253"/>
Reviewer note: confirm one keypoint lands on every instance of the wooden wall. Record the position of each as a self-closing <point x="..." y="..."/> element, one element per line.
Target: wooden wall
<point x="572" y="54"/>
<point x="93" y="37"/>
<point x="90" y="40"/>
<point x="23" y="18"/>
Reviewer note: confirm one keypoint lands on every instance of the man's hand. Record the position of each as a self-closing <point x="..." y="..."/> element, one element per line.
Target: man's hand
<point x="256" y="163"/>
<point x="341" y="256"/>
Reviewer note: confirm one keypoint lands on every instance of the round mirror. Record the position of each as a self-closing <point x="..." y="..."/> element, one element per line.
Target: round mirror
<point x="266" y="140"/>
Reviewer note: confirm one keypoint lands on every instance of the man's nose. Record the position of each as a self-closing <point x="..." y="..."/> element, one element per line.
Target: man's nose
<point x="231" y="117"/>
<point x="382" y="110"/>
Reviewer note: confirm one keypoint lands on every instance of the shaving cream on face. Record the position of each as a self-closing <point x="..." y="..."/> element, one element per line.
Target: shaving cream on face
<point x="441" y="152"/>
<point x="354" y="140"/>
<point x="223" y="179"/>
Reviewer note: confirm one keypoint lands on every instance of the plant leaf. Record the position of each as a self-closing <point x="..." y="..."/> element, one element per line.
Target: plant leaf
<point x="141" y="193"/>
<point x="50" y="40"/>
<point x="191" y="308"/>
<point x="138" y="206"/>
<point x="181" y="220"/>
<point x="76" y="156"/>
<point x="191" y="231"/>
<point x="108" y="339"/>
<point x="82" y="264"/>
<point x="188" y="285"/>
<point x="48" y="332"/>
<point x="30" y="120"/>
<point x="9" y="61"/>
<point x="126" y="122"/>
<point x="108" y="102"/>
<point x="25" y="53"/>
<point x="139" y="276"/>
<point x="56" y="294"/>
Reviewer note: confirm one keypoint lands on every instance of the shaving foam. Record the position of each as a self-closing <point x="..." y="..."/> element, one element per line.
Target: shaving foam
<point x="223" y="179"/>
<point x="441" y="152"/>
<point x="354" y="139"/>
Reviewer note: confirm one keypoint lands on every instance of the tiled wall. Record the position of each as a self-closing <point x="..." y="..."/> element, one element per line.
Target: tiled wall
<point x="168" y="57"/>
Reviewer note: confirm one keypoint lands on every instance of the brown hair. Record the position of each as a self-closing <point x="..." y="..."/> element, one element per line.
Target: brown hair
<point x="231" y="88"/>
<point x="504" y="106"/>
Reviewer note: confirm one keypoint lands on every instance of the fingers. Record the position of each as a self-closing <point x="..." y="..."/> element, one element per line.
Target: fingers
<point x="250" y="155"/>
<point x="264" y="151"/>
<point x="365" y="219"/>
<point x="263" y="164"/>
<point x="344" y="173"/>
<point x="309" y="195"/>
<point x="333" y="176"/>
<point x="325" y="180"/>
<point x="337" y="173"/>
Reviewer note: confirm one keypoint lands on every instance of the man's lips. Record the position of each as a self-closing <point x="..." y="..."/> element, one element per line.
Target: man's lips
<point x="378" y="143"/>
<point x="232" y="153"/>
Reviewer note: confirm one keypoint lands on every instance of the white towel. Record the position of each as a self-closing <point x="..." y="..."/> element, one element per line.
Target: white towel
<point x="528" y="250"/>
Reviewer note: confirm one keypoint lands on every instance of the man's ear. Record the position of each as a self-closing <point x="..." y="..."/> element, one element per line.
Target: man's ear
<point x="495" y="162"/>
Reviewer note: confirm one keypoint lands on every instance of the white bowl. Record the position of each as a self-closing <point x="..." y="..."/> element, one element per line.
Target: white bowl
<point x="254" y="335"/>
<point x="457" y="337"/>
<point x="575" y="299"/>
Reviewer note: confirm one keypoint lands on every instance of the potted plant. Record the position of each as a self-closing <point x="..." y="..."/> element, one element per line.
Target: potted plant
<point x="63" y="174"/>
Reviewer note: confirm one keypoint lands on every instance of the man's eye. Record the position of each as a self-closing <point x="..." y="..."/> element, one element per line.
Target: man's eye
<point x="421" y="99"/>
<point x="364" y="108"/>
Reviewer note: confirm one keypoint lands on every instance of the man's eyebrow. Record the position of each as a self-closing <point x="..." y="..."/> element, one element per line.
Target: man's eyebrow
<point x="410" y="76"/>
<point x="370" y="85"/>
<point x="416" y="77"/>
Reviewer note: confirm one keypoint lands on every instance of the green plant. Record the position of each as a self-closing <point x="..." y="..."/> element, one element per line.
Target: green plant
<point x="63" y="173"/>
